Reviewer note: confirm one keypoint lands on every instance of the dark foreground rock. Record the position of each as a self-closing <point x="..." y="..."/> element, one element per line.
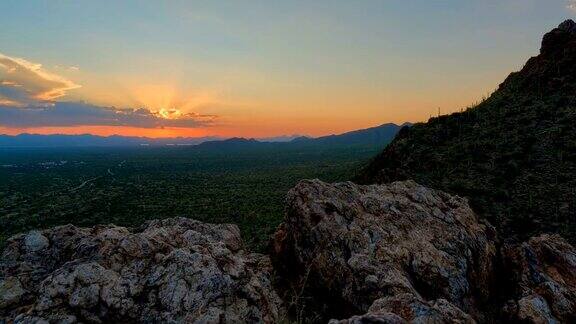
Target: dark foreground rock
<point x="350" y="254"/>
<point x="402" y="253"/>
<point x="407" y="307"/>
<point x="173" y="270"/>
<point x="400" y="248"/>
<point x="543" y="272"/>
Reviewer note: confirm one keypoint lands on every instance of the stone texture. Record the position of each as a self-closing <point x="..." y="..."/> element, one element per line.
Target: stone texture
<point x="415" y="253"/>
<point x="395" y="253"/>
<point x="11" y="292"/>
<point x="173" y="270"/>
<point x="409" y="308"/>
<point x="34" y="241"/>
<point x="543" y="275"/>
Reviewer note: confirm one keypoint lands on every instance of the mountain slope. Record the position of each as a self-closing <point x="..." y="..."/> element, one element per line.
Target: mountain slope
<point x="376" y="137"/>
<point x="513" y="155"/>
<point x="379" y="135"/>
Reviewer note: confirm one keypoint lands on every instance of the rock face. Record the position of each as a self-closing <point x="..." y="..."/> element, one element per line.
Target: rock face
<point x="407" y="307"/>
<point x="543" y="272"/>
<point x="398" y="251"/>
<point x="173" y="270"/>
<point x="351" y="254"/>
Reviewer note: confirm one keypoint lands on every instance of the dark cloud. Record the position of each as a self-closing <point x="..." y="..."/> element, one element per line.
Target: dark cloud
<point x="78" y="113"/>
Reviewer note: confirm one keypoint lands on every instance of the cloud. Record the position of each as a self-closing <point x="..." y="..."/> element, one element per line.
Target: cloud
<point x="28" y="98"/>
<point x="62" y="114"/>
<point x="571" y="5"/>
<point x="23" y="83"/>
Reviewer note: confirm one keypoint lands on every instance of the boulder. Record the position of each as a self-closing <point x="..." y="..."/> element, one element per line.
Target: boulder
<point x="11" y="292"/>
<point x="406" y="308"/>
<point x="172" y="270"/>
<point x="542" y="272"/>
<point x="401" y="251"/>
<point x="34" y="241"/>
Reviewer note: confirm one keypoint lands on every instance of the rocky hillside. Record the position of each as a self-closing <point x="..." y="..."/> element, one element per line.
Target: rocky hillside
<point x="513" y="155"/>
<point x="345" y="253"/>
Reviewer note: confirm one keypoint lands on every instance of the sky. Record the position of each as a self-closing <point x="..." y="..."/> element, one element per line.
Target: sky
<point x="256" y="68"/>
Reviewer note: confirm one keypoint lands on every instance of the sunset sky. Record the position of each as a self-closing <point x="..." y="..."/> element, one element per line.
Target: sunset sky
<point x="256" y="68"/>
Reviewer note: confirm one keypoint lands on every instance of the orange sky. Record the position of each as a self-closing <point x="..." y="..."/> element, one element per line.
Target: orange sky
<point x="108" y="130"/>
<point x="256" y="69"/>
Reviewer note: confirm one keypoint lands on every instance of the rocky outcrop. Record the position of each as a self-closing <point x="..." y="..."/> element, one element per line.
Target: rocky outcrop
<point x="543" y="272"/>
<point x="395" y="253"/>
<point x="396" y="250"/>
<point x="401" y="252"/>
<point x="409" y="308"/>
<point x="173" y="270"/>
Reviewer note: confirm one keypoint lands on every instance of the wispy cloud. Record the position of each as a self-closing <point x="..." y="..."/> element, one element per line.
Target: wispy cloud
<point x="25" y="83"/>
<point x="83" y="114"/>
<point x="571" y="5"/>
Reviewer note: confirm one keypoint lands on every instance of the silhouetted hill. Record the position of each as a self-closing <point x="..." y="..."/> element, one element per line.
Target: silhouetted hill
<point x="378" y="136"/>
<point x="513" y="155"/>
<point x="232" y="143"/>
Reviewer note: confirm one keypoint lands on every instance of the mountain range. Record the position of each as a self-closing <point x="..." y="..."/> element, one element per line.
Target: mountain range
<point x="374" y="136"/>
<point x="377" y="136"/>
<point x="88" y="140"/>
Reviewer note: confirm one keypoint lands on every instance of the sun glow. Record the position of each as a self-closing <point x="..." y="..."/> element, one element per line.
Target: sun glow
<point x="170" y="102"/>
<point x="170" y="113"/>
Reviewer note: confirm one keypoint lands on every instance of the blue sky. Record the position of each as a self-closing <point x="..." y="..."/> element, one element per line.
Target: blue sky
<point x="279" y="67"/>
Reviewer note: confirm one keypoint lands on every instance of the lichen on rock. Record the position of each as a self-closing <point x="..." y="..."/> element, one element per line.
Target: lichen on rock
<point x="543" y="275"/>
<point x="172" y="270"/>
<point x="360" y="244"/>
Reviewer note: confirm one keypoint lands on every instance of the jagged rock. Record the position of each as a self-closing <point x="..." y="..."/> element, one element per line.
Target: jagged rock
<point x="543" y="273"/>
<point x="409" y="308"/>
<point x="173" y="270"/>
<point x="558" y="37"/>
<point x="568" y="26"/>
<point x="11" y="292"/>
<point x="401" y="244"/>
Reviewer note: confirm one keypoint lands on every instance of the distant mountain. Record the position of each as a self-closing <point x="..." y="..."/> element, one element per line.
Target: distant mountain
<point x="283" y="138"/>
<point x="34" y="140"/>
<point x="380" y="135"/>
<point x="377" y="136"/>
<point x="232" y="143"/>
<point x="513" y="155"/>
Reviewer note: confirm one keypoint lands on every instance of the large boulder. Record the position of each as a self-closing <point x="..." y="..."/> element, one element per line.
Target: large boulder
<point x="172" y="270"/>
<point x="406" y="308"/>
<point x="401" y="251"/>
<point x="542" y="272"/>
